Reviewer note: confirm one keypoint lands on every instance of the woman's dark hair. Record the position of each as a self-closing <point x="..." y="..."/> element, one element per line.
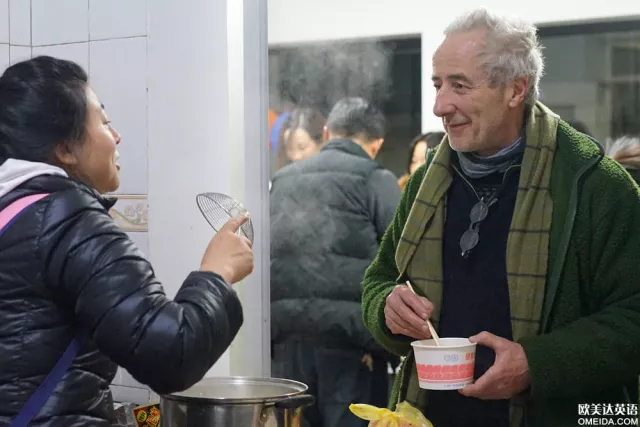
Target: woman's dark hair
<point x="43" y="103"/>
<point x="432" y="139"/>
<point x="308" y="119"/>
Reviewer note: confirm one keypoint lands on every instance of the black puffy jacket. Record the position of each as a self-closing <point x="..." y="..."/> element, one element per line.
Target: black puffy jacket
<point x="67" y="270"/>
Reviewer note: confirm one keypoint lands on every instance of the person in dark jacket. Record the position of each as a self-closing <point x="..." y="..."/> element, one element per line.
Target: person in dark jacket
<point x="328" y="215"/>
<point x="68" y="271"/>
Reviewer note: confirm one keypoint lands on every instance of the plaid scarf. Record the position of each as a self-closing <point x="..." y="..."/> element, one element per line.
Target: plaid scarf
<point x="527" y="245"/>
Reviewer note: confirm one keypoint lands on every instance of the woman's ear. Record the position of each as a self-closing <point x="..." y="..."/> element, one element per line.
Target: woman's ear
<point x="64" y="155"/>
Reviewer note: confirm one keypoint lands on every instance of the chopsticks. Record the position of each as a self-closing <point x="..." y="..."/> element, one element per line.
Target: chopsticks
<point x="434" y="335"/>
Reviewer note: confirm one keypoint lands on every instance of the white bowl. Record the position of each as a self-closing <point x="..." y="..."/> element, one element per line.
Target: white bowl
<point x="447" y="367"/>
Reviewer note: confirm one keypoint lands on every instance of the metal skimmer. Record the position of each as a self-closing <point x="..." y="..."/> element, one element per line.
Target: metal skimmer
<point x="219" y="208"/>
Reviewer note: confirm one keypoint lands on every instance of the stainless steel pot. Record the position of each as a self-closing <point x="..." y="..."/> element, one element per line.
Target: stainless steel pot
<point x="236" y="402"/>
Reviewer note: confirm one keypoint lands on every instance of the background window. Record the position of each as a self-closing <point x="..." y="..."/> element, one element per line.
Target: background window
<point x="387" y="72"/>
<point x="593" y="76"/>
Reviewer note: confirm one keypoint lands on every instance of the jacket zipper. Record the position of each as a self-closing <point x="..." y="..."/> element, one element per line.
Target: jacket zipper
<point x="564" y="241"/>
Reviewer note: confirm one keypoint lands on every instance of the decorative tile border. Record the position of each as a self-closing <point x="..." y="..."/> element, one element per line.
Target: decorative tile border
<point x="131" y="212"/>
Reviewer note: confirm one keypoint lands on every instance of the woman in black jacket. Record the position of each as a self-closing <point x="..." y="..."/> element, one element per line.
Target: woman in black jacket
<point x="68" y="273"/>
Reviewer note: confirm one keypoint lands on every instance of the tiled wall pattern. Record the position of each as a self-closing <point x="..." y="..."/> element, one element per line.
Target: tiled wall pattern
<point x="131" y="212"/>
<point x="109" y="39"/>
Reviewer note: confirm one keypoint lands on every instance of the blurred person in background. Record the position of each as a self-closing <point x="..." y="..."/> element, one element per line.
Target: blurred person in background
<point x="418" y="153"/>
<point x="626" y="151"/>
<point x="301" y="135"/>
<point x="275" y="155"/>
<point x="77" y="297"/>
<point x="272" y="117"/>
<point x="328" y="215"/>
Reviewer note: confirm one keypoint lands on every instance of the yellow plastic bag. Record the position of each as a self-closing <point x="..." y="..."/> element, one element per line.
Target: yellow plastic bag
<point x="405" y="415"/>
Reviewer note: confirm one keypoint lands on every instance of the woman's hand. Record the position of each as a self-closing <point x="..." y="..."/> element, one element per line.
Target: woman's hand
<point x="229" y="254"/>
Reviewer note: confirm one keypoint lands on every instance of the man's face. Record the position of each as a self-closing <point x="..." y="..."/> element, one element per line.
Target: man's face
<point x="477" y="118"/>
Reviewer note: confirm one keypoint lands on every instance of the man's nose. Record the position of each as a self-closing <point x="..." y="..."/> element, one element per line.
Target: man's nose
<point x="443" y="107"/>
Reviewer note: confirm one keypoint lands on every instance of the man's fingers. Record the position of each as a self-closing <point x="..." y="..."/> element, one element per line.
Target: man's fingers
<point x="409" y="317"/>
<point x="394" y="327"/>
<point x="393" y="316"/>
<point x="420" y="305"/>
<point x="489" y="340"/>
<point x="398" y="329"/>
<point x="402" y="326"/>
<point x="481" y="388"/>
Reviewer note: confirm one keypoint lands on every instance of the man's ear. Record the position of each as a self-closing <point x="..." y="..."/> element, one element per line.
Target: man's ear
<point x="518" y="92"/>
<point x="325" y="134"/>
<point x="376" y="146"/>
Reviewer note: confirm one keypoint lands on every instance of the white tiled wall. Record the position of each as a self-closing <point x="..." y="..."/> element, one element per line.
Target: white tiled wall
<point x="4" y="56"/>
<point x="116" y="59"/>
<point x="76" y="52"/>
<point x="20" y="22"/>
<point x="109" y="19"/>
<point x="108" y="38"/>
<point x="59" y="22"/>
<point x="119" y="75"/>
<point x="4" y="34"/>
<point x="19" y="53"/>
<point x="4" y="22"/>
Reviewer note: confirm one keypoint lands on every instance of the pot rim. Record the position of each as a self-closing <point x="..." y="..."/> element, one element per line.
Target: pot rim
<point x="301" y="389"/>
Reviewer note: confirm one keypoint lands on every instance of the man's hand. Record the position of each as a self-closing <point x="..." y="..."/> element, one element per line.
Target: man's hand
<point x="508" y="376"/>
<point x="406" y="313"/>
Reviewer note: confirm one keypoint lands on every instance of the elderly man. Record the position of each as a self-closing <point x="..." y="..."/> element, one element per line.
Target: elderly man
<point x="517" y="233"/>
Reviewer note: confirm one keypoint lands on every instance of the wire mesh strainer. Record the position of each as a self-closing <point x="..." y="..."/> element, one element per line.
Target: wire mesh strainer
<point x="218" y="208"/>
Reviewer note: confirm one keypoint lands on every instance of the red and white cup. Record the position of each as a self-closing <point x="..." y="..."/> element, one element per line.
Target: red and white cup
<point x="446" y="367"/>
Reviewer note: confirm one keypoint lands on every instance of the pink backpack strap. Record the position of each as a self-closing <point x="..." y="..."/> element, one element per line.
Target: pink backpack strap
<point x="11" y="211"/>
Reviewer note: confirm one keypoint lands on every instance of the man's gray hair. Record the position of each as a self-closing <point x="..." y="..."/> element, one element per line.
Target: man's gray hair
<point x="511" y="48"/>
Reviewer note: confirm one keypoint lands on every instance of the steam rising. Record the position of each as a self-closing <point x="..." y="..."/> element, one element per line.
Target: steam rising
<point x="305" y="212"/>
<point x="320" y="75"/>
<point x="305" y="230"/>
<point x="306" y="236"/>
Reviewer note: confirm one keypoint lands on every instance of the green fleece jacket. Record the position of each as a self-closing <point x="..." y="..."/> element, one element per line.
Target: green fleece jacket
<point x="588" y="350"/>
